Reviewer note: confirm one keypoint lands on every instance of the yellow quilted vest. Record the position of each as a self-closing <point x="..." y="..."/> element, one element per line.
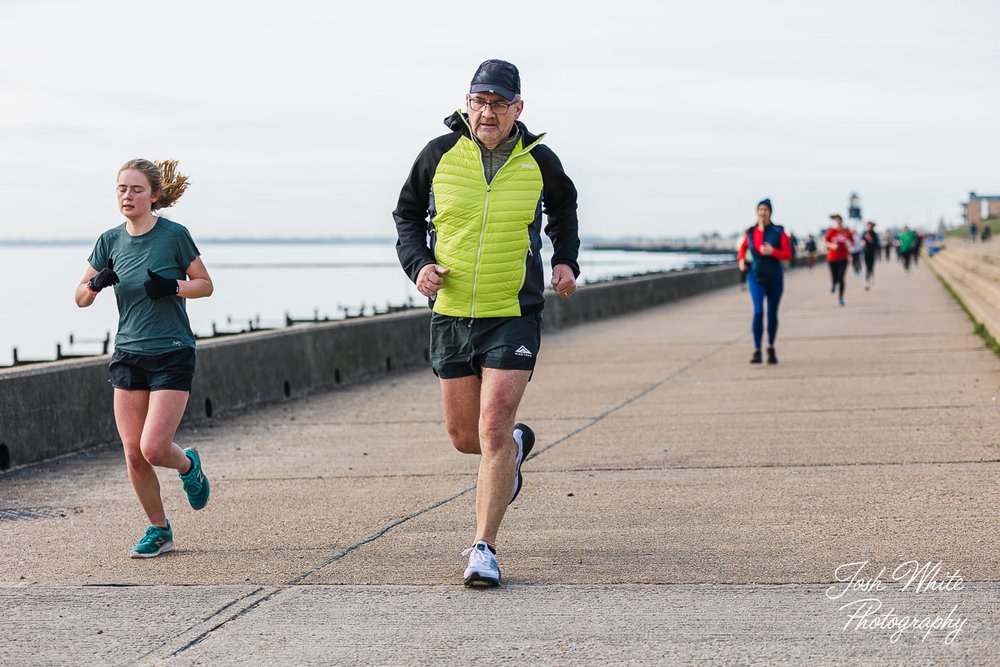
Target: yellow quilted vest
<point x="482" y="229"/>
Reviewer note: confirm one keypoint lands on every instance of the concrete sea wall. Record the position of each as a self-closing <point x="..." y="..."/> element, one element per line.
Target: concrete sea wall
<point x="972" y="270"/>
<point x="56" y="408"/>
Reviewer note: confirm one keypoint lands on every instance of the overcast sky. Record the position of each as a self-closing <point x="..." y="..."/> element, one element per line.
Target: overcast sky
<point x="298" y="118"/>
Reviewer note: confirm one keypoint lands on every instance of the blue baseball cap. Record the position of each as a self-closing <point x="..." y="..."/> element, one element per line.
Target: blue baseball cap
<point x="499" y="77"/>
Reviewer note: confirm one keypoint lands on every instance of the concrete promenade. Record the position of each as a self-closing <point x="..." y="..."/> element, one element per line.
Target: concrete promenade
<point x="683" y="507"/>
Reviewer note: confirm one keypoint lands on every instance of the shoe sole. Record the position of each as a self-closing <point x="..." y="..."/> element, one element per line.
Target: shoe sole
<point x="166" y="548"/>
<point x="527" y="444"/>
<point x="476" y="580"/>
<point x="208" y="492"/>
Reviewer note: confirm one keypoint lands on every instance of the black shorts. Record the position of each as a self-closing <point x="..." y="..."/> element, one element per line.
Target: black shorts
<point x="153" y="372"/>
<point x="461" y="346"/>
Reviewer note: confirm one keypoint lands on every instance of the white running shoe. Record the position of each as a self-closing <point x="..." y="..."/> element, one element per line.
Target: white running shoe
<point x="482" y="570"/>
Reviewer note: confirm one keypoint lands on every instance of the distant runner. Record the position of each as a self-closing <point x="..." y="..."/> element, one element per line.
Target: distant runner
<point x="839" y="241"/>
<point x="907" y="242"/>
<point x="872" y="249"/>
<point x="768" y="245"/>
<point x="811" y="251"/>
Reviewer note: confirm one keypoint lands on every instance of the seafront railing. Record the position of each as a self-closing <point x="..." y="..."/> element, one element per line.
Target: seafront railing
<point x="231" y="328"/>
<point x="58" y="407"/>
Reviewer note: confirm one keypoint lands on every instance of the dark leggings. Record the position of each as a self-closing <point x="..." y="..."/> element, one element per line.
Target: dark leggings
<point x="772" y="291"/>
<point x="837" y="269"/>
<point x="870" y="264"/>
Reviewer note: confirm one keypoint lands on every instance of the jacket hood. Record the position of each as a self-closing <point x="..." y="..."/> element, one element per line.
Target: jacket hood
<point x="458" y="121"/>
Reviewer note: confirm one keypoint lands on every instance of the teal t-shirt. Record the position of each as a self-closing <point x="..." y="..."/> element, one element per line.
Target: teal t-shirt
<point x="146" y="326"/>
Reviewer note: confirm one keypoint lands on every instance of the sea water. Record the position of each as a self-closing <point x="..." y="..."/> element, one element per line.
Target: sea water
<point x="259" y="282"/>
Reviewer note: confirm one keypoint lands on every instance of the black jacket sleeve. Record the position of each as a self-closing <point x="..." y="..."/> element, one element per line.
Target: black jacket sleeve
<point x="559" y="206"/>
<point x="412" y="209"/>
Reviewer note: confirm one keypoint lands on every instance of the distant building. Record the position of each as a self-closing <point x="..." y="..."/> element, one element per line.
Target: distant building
<point x="973" y="209"/>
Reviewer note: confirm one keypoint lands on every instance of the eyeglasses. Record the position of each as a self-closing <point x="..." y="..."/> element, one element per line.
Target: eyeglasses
<point x="499" y="107"/>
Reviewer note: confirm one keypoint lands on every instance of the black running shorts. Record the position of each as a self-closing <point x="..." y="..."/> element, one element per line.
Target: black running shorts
<point x="152" y="372"/>
<point x="461" y="346"/>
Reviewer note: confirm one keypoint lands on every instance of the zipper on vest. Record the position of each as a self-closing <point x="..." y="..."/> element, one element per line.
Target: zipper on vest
<point x="486" y="212"/>
<point x="479" y="252"/>
<point x="482" y="229"/>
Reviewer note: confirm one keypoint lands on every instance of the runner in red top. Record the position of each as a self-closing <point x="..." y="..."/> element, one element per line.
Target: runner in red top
<point x="839" y="241"/>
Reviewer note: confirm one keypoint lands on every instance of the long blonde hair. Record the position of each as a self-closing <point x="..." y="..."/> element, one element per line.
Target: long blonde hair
<point x="163" y="178"/>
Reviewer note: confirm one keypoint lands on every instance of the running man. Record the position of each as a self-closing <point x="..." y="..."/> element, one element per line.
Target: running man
<point x="856" y="251"/>
<point x="811" y="251"/>
<point x="469" y="226"/>
<point x="839" y="241"/>
<point x="872" y="249"/>
<point x="907" y="241"/>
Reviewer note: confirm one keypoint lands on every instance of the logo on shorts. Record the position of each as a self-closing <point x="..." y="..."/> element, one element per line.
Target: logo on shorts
<point x="523" y="352"/>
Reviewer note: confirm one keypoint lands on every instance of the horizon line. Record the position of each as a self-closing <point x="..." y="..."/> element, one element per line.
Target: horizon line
<point x="289" y="240"/>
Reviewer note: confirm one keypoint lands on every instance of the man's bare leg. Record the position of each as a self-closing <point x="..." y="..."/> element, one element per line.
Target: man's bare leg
<point x="482" y="422"/>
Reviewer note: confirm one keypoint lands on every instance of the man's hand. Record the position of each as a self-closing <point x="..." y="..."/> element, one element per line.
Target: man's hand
<point x="563" y="281"/>
<point x="431" y="279"/>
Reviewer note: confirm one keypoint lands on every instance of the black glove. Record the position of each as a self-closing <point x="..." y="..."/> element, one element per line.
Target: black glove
<point x="106" y="278"/>
<point x="157" y="286"/>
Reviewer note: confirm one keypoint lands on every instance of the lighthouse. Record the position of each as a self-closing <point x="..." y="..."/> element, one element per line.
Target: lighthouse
<point x="854" y="207"/>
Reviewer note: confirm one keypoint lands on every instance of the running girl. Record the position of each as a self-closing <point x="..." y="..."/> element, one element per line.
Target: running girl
<point x="153" y="265"/>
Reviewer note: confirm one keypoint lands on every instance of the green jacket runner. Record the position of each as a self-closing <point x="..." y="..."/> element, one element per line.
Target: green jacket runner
<point x="487" y="232"/>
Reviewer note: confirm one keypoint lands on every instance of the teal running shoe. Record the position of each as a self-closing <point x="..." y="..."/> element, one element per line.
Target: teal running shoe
<point x="195" y="482"/>
<point x="156" y="541"/>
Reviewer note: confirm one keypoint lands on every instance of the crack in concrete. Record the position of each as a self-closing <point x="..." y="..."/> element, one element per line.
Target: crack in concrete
<point x="197" y="640"/>
<point x="297" y="580"/>
<point x="242" y="612"/>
